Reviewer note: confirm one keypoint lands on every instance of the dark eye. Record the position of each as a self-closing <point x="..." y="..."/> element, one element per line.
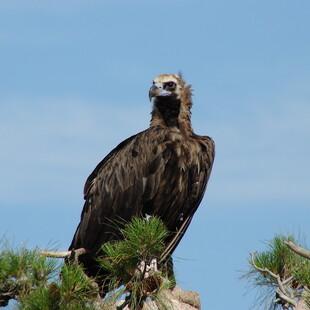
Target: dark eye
<point x="170" y="85"/>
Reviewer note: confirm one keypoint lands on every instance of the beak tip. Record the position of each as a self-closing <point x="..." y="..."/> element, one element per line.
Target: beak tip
<point x="158" y="91"/>
<point x="153" y="92"/>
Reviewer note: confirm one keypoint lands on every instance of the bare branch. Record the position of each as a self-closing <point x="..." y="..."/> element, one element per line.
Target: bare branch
<point x="63" y="254"/>
<point x="284" y="297"/>
<point x="283" y="292"/>
<point x="298" y="250"/>
<point x="273" y="275"/>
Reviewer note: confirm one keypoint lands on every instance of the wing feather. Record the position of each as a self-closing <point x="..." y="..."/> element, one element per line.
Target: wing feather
<point x="117" y="187"/>
<point x="145" y="174"/>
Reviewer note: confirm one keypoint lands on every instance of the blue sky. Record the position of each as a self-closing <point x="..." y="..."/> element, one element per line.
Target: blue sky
<point x="74" y="82"/>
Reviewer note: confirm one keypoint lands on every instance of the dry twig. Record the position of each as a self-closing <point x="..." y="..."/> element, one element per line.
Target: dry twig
<point x="63" y="254"/>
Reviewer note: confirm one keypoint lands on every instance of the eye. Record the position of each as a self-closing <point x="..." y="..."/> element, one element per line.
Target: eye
<point x="170" y="86"/>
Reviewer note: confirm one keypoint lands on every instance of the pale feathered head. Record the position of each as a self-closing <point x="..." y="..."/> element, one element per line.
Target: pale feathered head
<point x="172" y="101"/>
<point x="171" y="85"/>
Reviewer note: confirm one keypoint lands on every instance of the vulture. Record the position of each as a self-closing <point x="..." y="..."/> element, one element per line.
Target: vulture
<point x="162" y="171"/>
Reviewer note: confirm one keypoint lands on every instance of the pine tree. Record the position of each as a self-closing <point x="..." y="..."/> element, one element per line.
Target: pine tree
<point x="282" y="272"/>
<point x="36" y="281"/>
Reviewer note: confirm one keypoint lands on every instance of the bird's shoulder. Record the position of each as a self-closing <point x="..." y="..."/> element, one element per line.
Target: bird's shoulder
<point x="139" y="152"/>
<point x="207" y="146"/>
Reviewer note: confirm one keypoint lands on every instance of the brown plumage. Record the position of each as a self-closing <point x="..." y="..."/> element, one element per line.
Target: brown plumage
<point x="161" y="171"/>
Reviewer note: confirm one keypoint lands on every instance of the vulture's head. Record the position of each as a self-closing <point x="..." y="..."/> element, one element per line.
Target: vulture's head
<point x="166" y="85"/>
<point x="171" y="99"/>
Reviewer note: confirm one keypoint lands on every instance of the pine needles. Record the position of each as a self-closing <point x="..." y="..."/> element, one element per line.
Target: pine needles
<point x="38" y="282"/>
<point x="283" y="275"/>
<point x="35" y="282"/>
<point x="22" y="271"/>
<point x="128" y="261"/>
<point x="143" y="240"/>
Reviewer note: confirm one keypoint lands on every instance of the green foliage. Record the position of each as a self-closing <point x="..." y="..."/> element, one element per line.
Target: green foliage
<point x="25" y="265"/>
<point x="21" y="271"/>
<point x="75" y="286"/>
<point x="278" y="260"/>
<point x="143" y="240"/>
<point x="72" y="291"/>
<point x="35" y="282"/>
<point x="146" y="237"/>
<point x="41" y="298"/>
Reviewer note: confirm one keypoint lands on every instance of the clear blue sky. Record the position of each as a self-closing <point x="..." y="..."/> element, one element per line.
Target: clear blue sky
<point x="74" y="80"/>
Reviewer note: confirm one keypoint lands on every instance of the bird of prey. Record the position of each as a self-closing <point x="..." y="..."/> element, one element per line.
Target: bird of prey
<point x="162" y="171"/>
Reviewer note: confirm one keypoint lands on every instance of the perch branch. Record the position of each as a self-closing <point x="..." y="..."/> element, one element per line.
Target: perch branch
<point x="73" y="257"/>
<point x="63" y="254"/>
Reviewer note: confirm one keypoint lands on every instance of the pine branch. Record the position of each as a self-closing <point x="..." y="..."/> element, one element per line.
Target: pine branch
<point x="298" y="250"/>
<point x="283" y="291"/>
<point x="36" y="280"/>
<point x="281" y="272"/>
<point x="62" y="254"/>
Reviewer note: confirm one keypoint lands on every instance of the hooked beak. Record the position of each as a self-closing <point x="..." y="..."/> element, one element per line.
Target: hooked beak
<point x="158" y="90"/>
